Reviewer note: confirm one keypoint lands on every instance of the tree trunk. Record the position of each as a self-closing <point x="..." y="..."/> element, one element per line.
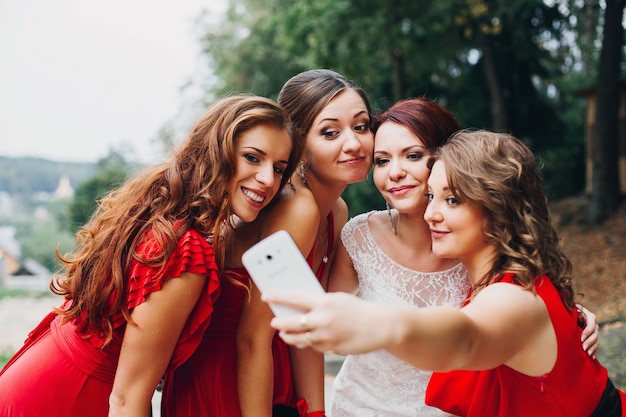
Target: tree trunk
<point x="397" y="58"/>
<point x="499" y="110"/>
<point x="605" y="191"/>
<point x="588" y="34"/>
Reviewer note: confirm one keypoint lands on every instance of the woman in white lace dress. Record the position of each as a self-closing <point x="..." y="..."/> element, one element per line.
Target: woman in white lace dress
<point x="387" y="257"/>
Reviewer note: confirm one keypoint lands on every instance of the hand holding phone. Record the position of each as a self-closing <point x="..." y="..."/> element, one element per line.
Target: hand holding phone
<point x="276" y="263"/>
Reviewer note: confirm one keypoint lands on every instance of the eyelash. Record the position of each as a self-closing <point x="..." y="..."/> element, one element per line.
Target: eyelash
<point x="332" y="133"/>
<point x="414" y="156"/>
<point x="452" y="201"/>
<point x="253" y="159"/>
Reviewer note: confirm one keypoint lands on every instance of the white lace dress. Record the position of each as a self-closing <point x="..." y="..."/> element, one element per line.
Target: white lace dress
<point x="378" y="383"/>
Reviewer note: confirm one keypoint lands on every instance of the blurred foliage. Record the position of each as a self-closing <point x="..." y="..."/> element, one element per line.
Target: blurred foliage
<point x="513" y="65"/>
<point x="40" y="238"/>
<point x="43" y="222"/>
<point x="5" y="355"/>
<point x="363" y="197"/>
<point x="112" y="171"/>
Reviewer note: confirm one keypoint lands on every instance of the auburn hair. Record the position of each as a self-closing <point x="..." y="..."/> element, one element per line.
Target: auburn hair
<point x="189" y="191"/>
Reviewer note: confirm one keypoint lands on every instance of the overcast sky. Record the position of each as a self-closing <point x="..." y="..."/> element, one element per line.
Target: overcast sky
<point x="78" y="77"/>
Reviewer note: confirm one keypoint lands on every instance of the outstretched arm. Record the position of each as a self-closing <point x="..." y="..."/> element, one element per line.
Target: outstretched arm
<point x="504" y="324"/>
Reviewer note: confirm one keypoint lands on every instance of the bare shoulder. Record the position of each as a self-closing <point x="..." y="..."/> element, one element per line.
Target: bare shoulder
<point x="378" y="223"/>
<point x="300" y="201"/>
<point x="340" y="213"/>
<point x="291" y="210"/>
<point x="512" y="301"/>
<point x="378" y="218"/>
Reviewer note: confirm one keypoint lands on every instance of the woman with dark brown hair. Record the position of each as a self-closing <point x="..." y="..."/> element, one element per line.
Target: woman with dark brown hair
<point x="140" y="288"/>
<point x="331" y="116"/>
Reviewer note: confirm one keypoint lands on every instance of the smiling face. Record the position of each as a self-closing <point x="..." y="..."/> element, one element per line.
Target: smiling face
<point x="456" y="226"/>
<point x="400" y="170"/>
<point x="261" y="157"/>
<point x="339" y="143"/>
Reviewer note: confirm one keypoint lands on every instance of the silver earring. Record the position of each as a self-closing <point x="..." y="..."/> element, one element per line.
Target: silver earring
<point x="393" y="226"/>
<point x="302" y="172"/>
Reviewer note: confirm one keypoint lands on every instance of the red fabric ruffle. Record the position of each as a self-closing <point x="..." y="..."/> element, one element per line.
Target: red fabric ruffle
<point x="193" y="254"/>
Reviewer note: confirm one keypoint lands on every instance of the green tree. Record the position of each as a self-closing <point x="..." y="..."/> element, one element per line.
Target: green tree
<point x="112" y="172"/>
<point x="363" y="197"/>
<point x="494" y="63"/>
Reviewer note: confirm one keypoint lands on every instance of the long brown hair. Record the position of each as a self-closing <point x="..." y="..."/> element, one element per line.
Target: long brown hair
<point x="189" y="191"/>
<point x="497" y="173"/>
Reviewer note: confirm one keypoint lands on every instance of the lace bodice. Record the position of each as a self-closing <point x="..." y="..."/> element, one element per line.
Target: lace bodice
<point x="378" y="383"/>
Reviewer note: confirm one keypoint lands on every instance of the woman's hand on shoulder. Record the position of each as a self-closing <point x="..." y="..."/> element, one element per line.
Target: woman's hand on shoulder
<point x="590" y="337"/>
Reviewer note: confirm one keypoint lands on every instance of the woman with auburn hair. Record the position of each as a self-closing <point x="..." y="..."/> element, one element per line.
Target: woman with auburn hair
<point x="140" y="288"/>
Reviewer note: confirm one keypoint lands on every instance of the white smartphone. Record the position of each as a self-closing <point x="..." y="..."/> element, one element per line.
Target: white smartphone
<point x="276" y="263"/>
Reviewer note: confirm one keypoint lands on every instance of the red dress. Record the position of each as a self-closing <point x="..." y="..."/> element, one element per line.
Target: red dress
<point x="206" y="385"/>
<point x="574" y="387"/>
<point x="59" y="373"/>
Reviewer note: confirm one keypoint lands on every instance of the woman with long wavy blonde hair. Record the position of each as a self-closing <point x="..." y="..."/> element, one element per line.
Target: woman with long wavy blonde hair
<point x="139" y="290"/>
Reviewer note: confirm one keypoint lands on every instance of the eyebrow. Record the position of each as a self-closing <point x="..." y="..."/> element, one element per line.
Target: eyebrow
<point x="403" y="149"/>
<point x="262" y="152"/>
<point x="334" y="119"/>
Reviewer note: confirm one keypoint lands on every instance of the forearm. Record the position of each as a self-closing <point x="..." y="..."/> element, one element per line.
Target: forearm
<point x="125" y="406"/>
<point x="255" y="381"/>
<point x="308" y="376"/>
<point x="437" y="339"/>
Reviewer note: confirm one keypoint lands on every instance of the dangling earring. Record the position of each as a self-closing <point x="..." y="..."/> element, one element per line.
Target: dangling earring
<point x="393" y="226"/>
<point x="302" y="172"/>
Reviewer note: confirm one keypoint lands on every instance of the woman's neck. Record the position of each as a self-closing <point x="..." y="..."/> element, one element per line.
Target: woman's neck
<point x="411" y="227"/>
<point x="326" y="193"/>
<point x="479" y="264"/>
<point x="413" y="232"/>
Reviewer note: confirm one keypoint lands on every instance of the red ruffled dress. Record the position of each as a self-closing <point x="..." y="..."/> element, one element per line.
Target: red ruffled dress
<point x="206" y="385"/>
<point x="60" y="373"/>
<point x="577" y="385"/>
